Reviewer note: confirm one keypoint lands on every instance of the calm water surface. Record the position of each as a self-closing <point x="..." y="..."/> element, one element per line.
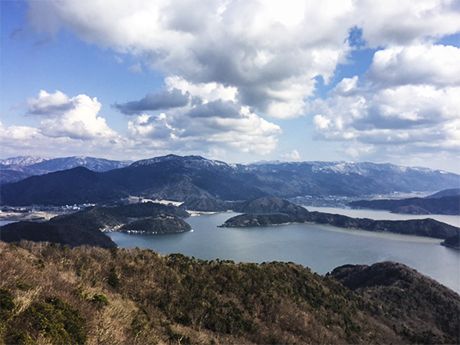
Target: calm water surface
<point x="4" y="222"/>
<point x="319" y="247"/>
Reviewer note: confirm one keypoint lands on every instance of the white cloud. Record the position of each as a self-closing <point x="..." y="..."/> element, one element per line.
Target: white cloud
<point x="76" y="117"/>
<point x="212" y="121"/>
<point x="31" y="140"/>
<point x="346" y="86"/>
<point x="404" y="22"/>
<point x="408" y="103"/>
<point x="294" y="155"/>
<point x="358" y="150"/>
<point x="248" y="59"/>
<point x="49" y="103"/>
<point x="268" y="51"/>
<point x="414" y="117"/>
<point x="243" y="130"/>
<point x="67" y="125"/>
<point x="417" y="64"/>
<point x="206" y="91"/>
<point x="18" y="133"/>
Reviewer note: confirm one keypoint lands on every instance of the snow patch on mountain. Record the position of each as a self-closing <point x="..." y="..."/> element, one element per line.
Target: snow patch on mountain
<point x="22" y="161"/>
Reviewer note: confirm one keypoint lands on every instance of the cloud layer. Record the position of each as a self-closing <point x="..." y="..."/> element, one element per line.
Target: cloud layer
<point x="155" y="101"/>
<point x="210" y="121"/>
<point x="67" y="125"/>
<point x="270" y="51"/>
<point x="231" y="66"/>
<point x="410" y="100"/>
<point x="213" y="118"/>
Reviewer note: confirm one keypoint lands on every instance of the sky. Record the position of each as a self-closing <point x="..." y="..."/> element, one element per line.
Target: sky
<point x="240" y="81"/>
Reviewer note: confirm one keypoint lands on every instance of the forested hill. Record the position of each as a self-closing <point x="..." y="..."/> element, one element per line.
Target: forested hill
<point x="87" y="295"/>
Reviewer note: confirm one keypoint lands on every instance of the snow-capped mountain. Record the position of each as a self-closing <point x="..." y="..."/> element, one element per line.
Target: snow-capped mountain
<point x="178" y="178"/>
<point x="185" y="160"/>
<point x="64" y="163"/>
<point x="17" y="168"/>
<point x="21" y="161"/>
<point x="343" y="168"/>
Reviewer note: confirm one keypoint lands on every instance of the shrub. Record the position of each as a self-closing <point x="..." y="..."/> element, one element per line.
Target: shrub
<point x="113" y="279"/>
<point x="100" y="300"/>
<point x="53" y="318"/>
<point x="6" y="304"/>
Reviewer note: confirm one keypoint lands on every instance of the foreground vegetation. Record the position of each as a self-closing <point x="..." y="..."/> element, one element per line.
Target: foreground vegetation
<point x="54" y="294"/>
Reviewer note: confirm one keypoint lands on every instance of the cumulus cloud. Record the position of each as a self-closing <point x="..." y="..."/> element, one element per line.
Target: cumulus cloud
<point x="49" y="103"/>
<point x="219" y="108"/>
<point x="417" y="64"/>
<point x="413" y="117"/>
<point x="211" y="120"/>
<point x="67" y="125"/>
<point x="31" y="140"/>
<point x="402" y="22"/>
<point x="154" y="101"/>
<point x="269" y="51"/>
<point x="206" y="125"/>
<point x="229" y="63"/>
<point x="74" y="117"/>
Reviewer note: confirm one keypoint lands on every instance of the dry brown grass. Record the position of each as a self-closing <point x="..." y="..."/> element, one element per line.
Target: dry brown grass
<point x="178" y="300"/>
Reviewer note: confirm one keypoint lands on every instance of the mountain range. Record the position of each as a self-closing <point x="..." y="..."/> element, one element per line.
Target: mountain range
<point x="17" y="168"/>
<point x="181" y="177"/>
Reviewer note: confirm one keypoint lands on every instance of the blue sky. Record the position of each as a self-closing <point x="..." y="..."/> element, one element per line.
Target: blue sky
<point x="347" y="82"/>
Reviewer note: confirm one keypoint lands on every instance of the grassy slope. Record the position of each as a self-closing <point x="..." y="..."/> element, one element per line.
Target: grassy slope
<point x="118" y="296"/>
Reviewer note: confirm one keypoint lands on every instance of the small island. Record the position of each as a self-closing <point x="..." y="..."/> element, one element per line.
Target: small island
<point x="274" y="211"/>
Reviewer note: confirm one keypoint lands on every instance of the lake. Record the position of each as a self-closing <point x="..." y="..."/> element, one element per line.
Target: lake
<point x="4" y="222"/>
<point x="320" y="247"/>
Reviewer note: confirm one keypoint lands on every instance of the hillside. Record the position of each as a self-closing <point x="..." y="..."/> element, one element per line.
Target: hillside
<point x="180" y="178"/>
<point x="157" y="225"/>
<point x="273" y="211"/>
<point x="84" y="227"/>
<point x="91" y="295"/>
<point x="445" y="192"/>
<point x="439" y="203"/>
<point x="389" y="282"/>
<point x="452" y="242"/>
<point x="68" y="234"/>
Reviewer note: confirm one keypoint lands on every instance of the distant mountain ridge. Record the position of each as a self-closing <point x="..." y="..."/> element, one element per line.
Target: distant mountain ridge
<point x="445" y="193"/>
<point x="17" y="168"/>
<point x="21" y="161"/>
<point x="443" y="202"/>
<point x="182" y="177"/>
